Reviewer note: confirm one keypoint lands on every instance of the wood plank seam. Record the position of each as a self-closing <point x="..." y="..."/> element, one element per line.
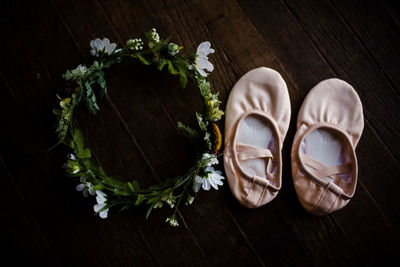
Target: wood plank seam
<point x="335" y="71"/>
<point x="172" y="121"/>
<point x="362" y="44"/>
<point x="130" y="133"/>
<point x="366" y="120"/>
<point x="35" y="135"/>
<point x="30" y="213"/>
<point x="49" y="80"/>
<point x="279" y="64"/>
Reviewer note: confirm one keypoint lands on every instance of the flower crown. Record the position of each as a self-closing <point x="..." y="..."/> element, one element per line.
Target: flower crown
<point x="86" y="83"/>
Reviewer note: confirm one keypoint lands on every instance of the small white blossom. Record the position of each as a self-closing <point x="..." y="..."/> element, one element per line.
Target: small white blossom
<point x="104" y="45"/>
<point x="189" y="200"/>
<point x="170" y="202"/>
<point x="154" y="36"/>
<point x="172" y="221"/>
<point x="135" y="44"/>
<point x="201" y="62"/>
<point x="210" y="158"/>
<point x="85" y="187"/>
<point x="158" y="204"/>
<point x="212" y="178"/>
<point x="79" y="71"/>
<point x="101" y="199"/>
<point x="75" y="169"/>
<point x="71" y="157"/>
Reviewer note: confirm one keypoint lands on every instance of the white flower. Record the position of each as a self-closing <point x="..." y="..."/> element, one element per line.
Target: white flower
<point x="104" y="45"/>
<point x="158" y="204"/>
<point x="154" y="35"/>
<point x="79" y="71"/>
<point x="135" y="44"/>
<point x="211" y="159"/>
<point x="71" y="156"/>
<point x="201" y="63"/>
<point x="170" y="202"/>
<point x="101" y="199"/>
<point x="75" y="169"/>
<point x="172" y="221"/>
<point x="189" y="200"/>
<point x="85" y="187"/>
<point x="212" y="178"/>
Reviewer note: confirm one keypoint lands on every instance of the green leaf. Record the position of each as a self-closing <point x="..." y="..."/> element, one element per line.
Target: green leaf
<point x="139" y="199"/>
<point x="68" y="142"/>
<point x="183" y="78"/>
<point x="162" y="64"/>
<point x="131" y="187"/>
<point x="172" y="69"/>
<point x="202" y="124"/>
<point x="98" y="187"/>
<point x="207" y="139"/>
<point x="79" y="140"/>
<point x="187" y="131"/>
<point x="84" y="154"/>
<point x="144" y="60"/>
<point x="91" y="98"/>
<point x="149" y="210"/>
<point x="134" y="185"/>
<point x="96" y="64"/>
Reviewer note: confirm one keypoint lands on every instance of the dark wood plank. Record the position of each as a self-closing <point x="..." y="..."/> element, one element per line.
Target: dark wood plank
<point x="305" y="66"/>
<point x="126" y="240"/>
<point x="350" y="62"/>
<point x="44" y="196"/>
<point x="199" y="29"/>
<point x="392" y="9"/>
<point x="220" y="23"/>
<point x="135" y="135"/>
<point x="353" y="64"/>
<point x="240" y="31"/>
<point x="22" y="241"/>
<point x="160" y="140"/>
<point x="377" y="34"/>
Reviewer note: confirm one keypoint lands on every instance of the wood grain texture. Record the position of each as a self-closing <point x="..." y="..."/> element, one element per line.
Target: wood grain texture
<point x="298" y="50"/>
<point x="135" y="136"/>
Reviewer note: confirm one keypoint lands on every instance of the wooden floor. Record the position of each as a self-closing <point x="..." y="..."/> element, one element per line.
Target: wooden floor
<point x="44" y="221"/>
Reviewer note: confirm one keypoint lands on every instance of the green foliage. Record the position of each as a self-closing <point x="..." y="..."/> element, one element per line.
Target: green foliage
<point x="187" y="131"/>
<point x="208" y="140"/>
<point x="80" y="150"/>
<point x="211" y="100"/>
<point x="202" y="123"/>
<point x="90" y="83"/>
<point x="143" y="60"/>
<point x="162" y="63"/>
<point x="91" y="100"/>
<point x="183" y="79"/>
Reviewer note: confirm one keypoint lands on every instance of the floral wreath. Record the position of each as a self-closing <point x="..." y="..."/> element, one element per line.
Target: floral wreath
<point x="84" y="81"/>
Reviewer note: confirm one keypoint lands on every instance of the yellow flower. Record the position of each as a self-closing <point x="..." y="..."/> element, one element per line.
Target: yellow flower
<point x="65" y="102"/>
<point x="217" y="138"/>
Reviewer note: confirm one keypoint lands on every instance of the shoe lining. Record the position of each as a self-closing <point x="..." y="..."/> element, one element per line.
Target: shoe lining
<point x="256" y="131"/>
<point x="330" y="149"/>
